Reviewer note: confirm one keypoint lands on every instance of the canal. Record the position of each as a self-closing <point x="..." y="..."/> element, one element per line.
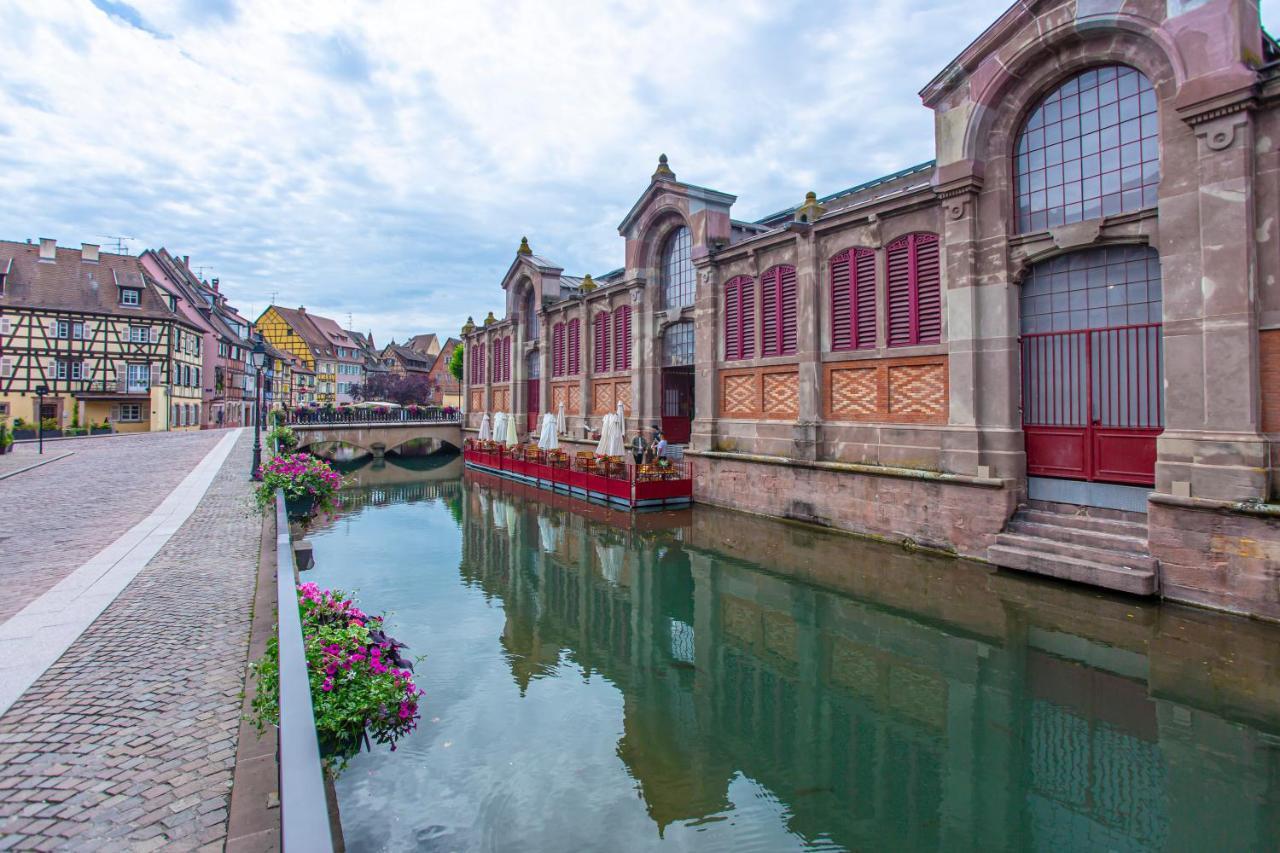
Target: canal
<point x="706" y="680"/>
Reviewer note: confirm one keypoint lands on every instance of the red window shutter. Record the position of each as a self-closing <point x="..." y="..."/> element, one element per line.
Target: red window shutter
<point x="622" y="338"/>
<point x="557" y="349"/>
<point x="600" y="350"/>
<point x="769" y="313"/>
<point x="899" y="296"/>
<point x="928" y="289"/>
<point x="575" y="365"/>
<point x="864" y="298"/>
<point x="480" y="353"/>
<point x="841" y="303"/>
<point x="507" y="369"/>
<point x="732" y="320"/>
<point x="787" y="321"/>
<point x="747" y="299"/>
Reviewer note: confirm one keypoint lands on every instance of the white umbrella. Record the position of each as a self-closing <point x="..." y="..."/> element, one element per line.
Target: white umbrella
<point x="498" y="420"/>
<point x="606" y="426"/>
<point x="614" y="447"/>
<point x="485" y="433"/>
<point x="622" y="422"/>
<point x="510" y="439"/>
<point x="560" y="420"/>
<point x="548" y="440"/>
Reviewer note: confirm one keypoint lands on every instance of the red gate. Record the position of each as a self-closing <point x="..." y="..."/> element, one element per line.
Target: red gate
<point x="1093" y="403"/>
<point x="677" y="404"/>
<point x="533" y="405"/>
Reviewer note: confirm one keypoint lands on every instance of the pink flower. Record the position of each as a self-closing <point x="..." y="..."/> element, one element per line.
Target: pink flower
<point x="327" y="686"/>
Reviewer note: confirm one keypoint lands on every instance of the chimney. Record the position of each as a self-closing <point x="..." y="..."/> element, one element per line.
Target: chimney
<point x="89" y="252"/>
<point x="302" y="309"/>
<point x="186" y="261"/>
<point x="215" y="285"/>
<point x="48" y="249"/>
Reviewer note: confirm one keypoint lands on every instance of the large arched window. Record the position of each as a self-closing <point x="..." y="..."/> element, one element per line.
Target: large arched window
<point x="530" y="312"/>
<point x="677" y="344"/>
<point x="1091" y="148"/>
<point x="677" y="269"/>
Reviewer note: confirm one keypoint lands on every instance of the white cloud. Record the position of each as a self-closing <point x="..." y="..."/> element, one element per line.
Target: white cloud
<point x="384" y="158"/>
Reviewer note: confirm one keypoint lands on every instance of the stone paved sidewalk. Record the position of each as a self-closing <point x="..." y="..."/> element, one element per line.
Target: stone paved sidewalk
<point x="55" y="517"/>
<point x="128" y="742"/>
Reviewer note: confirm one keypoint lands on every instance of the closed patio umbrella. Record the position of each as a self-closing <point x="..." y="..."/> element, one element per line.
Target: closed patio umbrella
<point x="485" y="432"/>
<point x="510" y="440"/>
<point x="615" y="446"/>
<point x="622" y="422"/>
<point x="547" y="439"/>
<point x="560" y="425"/>
<point x="606" y="427"/>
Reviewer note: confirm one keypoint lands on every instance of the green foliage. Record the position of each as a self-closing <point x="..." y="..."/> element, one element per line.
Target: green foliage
<point x="275" y="417"/>
<point x="455" y="362"/>
<point x="19" y="423"/>
<point x="302" y="477"/>
<point x="283" y="438"/>
<point x="75" y="418"/>
<point x="6" y="438"/>
<point x="49" y="424"/>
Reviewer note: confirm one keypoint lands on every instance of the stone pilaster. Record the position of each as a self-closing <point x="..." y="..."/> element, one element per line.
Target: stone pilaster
<point x="706" y="355"/>
<point x="809" y="313"/>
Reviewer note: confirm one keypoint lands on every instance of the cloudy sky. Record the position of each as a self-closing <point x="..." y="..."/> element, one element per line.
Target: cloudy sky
<point x="383" y="159"/>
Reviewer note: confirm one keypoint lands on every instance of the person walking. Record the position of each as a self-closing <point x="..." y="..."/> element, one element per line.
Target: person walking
<point x="638" y="448"/>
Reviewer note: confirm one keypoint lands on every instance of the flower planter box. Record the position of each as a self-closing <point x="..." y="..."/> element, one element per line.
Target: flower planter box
<point x="20" y="434"/>
<point x="100" y="430"/>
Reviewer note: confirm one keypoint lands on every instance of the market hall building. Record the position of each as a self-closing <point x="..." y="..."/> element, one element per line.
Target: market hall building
<point x="1055" y="347"/>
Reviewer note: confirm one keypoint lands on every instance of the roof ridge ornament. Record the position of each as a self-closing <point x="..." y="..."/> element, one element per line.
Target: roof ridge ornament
<point x="524" y="247"/>
<point x="663" y="172"/>
<point x="810" y="211"/>
<point x="469" y="326"/>
<point x="490" y="320"/>
<point x="587" y="284"/>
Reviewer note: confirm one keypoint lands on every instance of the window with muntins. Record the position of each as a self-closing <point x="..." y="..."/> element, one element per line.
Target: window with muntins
<point x="129" y="296"/>
<point x="914" y="291"/>
<point x="778" y="311"/>
<point x="677" y="344"/>
<point x="1091" y="148"/>
<point x="853" y="299"/>
<point x="557" y="349"/>
<point x="1093" y="289"/>
<point x="740" y="318"/>
<point x="530" y="317"/>
<point x="600" y="344"/>
<point x="575" y="333"/>
<point x="622" y="337"/>
<point x="677" y="269"/>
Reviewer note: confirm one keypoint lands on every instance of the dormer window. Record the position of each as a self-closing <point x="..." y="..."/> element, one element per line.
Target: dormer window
<point x="130" y="297"/>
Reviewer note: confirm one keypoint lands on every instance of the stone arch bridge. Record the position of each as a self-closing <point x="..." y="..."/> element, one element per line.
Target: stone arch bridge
<point x="379" y="438"/>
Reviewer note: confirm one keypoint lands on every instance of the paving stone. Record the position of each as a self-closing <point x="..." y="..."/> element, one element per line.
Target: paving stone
<point x="127" y="743"/>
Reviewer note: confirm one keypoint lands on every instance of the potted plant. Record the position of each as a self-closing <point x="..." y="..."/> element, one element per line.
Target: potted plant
<point x="6" y="440"/>
<point x="310" y="485"/>
<point x="22" y="430"/>
<point x="103" y="428"/>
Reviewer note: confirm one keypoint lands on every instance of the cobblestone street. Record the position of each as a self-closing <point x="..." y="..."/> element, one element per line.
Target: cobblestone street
<point x="128" y="741"/>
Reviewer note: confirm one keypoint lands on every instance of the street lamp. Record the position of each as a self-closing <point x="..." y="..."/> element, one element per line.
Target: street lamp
<point x="259" y="358"/>
<point x="41" y="390"/>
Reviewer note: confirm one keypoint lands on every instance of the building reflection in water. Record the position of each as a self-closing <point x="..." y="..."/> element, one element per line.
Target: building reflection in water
<point x="886" y="697"/>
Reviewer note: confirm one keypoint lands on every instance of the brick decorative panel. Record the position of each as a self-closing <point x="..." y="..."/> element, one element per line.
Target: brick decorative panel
<point x="559" y="397"/>
<point x="887" y="390"/>
<point x="568" y="393"/>
<point x="477" y="400"/>
<point x="781" y="395"/>
<point x="575" y="399"/>
<point x="853" y="393"/>
<point x="761" y="393"/>
<point x="601" y="398"/>
<point x="502" y="399"/>
<point x="918" y="390"/>
<point x="739" y="395"/>
<point x="1269" y="341"/>
<point x="622" y="394"/>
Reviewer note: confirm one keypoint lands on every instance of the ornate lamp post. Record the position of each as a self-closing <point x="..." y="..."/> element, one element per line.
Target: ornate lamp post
<point x="259" y="358"/>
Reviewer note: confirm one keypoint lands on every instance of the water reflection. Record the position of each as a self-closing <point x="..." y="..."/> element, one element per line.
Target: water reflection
<point x="771" y="687"/>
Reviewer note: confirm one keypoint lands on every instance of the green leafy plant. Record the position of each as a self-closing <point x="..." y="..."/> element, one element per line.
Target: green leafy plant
<point x="455" y="362"/>
<point x="362" y="688"/>
<point x="49" y="424"/>
<point x="19" y="423"/>
<point x="6" y="438"/>
<point x="302" y="477"/>
<point x="283" y="438"/>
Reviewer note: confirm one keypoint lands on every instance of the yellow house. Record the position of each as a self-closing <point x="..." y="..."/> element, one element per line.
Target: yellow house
<point x="92" y="329"/>
<point x="291" y="330"/>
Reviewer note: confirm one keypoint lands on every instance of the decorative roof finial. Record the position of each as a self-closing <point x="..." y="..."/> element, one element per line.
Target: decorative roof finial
<point x="469" y="326"/>
<point x="587" y="284"/>
<point x="663" y="172"/>
<point x="524" y="247"/>
<point x="490" y="320"/>
<point x="810" y="211"/>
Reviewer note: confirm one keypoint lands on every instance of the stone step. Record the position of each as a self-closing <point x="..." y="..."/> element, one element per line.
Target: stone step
<point x="1084" y="522"/>
<point x="1079" y="551"/>
<point x="1091" y="511"/>
<point x="1132" y="581"/>
<point x="1075" y="535"/>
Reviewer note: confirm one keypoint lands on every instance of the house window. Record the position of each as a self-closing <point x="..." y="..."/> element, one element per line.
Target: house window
<point x="196" y="381"/>
<point x="778" y="311"/>
<point x="600" y="345"/>
<point x="914" y="291"/>
<point x="130" y="412"/>
<point x="740" y="318"/>
<point x="853" y="299"/>
<point x="60" y="369"/>
<point x="130" y="296"/>
<point x="139" y="377"/>
<point x="1091" y="148"/>
<point x="77" y="370"/>
<point x="77" y="331"/>
<point x="139" y="334"/>
<point x="677" y="269"/>
<point x="61" y="329"/>
<point x="557" y="349"/>
<point x="622" y="337"/>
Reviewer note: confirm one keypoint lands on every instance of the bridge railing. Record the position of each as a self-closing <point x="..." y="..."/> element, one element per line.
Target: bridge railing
<point x="344" y="415"/>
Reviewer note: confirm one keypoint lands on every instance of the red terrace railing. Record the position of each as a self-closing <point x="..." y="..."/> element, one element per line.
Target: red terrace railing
<point x="612" y="478"/>
<point x="323" y="416"/>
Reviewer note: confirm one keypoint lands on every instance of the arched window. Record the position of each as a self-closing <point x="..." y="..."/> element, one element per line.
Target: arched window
<point x="533" y="366"/>
<point x="677" y="344"/>
<point x="574" y="360"/>
<point x="853" y="299"/>
<point x="677" y="269"/>
<point x="600" y="344"/>
<point x="530" y="311"/>
<point x="622" y="337"/>
<point x="1091" y="148"/>
<point x="740" y="318"/>
<point x="778" y="311"/>
<point x="557" y="350"/>
<point x="914" y="291"/>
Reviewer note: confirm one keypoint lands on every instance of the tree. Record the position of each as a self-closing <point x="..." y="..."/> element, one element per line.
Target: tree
<point x="406" y="389"/>
<point x="455" y="362"/>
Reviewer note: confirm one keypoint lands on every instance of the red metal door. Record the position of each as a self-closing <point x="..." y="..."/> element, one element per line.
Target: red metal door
<point x="532" y="404"/>
<point x="1093" y="403"/>
<point x="677" y="403"/>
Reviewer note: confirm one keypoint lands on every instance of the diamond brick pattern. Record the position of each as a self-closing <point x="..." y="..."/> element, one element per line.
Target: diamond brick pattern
<point x="740" y="394"/>
<point x="781" y="394"/>
<point x="917" y="390"/>
<point x="575" y="400"/>
<point x="559" y="397"/>
<point x="477" y="400"/>
<point x="502" y="399"/>
<point x="622" y="394"/>
<point x="853" y="392"/>
<point x="601" y="398"/>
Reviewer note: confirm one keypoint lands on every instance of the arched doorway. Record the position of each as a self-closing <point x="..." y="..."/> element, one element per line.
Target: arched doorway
<point x="1092" y="365"/>
<point x="532" y="390"/>
<point x="677" y="382"/>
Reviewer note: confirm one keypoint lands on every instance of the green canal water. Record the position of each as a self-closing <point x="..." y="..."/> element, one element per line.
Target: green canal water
<point x="706" y="680"/>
